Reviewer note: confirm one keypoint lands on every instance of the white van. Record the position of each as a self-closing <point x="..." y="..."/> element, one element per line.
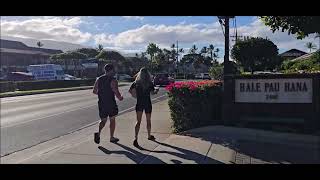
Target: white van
<point x="46" y="71"/>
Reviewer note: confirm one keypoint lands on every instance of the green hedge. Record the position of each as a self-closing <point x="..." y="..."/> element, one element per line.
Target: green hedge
<point x="195" y="104"/>
<point x="310" y="65"/>
<point x="37" y="85"/>
<point x="7" y="86"/>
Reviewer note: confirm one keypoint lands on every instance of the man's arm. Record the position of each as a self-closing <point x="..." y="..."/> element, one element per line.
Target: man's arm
<point x="95" y="87"/>
<point x="115" y="89"/>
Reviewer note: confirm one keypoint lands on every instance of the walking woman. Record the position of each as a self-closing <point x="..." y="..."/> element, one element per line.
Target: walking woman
<point x="141" y="89"/>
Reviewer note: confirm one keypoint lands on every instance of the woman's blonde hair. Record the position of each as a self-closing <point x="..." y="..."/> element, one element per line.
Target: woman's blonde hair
<point x="143" y="78"/>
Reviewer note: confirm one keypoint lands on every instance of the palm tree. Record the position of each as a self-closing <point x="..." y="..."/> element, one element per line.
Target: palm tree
<point x="100" y="47"/>
<point x="39" y="44"/>
<point x="193" y="49"/>
<point x="311" y="46"/>
<point x="204" y="51"/>
<point x="211" y="49"/>
<point x="102" y="59"/>
<point x="167" y="56"/>
<point x="318" y="36"/>
<point x="216" y="54"/>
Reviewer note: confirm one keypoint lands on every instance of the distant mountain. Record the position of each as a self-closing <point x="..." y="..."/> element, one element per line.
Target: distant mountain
<point x="49" y="44"/>
<point x="59" y="45"/>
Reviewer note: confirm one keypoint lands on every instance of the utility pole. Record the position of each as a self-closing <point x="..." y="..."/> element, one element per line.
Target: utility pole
<point x="176" y="65"/>
<point x="227" y="79"/>
<point x="225" y="23"/>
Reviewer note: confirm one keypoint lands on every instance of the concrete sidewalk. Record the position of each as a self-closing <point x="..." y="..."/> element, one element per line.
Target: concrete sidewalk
<point x="208" y="145"/>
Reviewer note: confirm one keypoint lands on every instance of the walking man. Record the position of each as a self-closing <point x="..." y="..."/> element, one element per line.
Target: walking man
<point x="106" y="87"/>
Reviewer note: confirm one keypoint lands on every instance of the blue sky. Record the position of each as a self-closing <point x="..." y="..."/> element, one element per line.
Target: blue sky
<point x="130" y="34"/>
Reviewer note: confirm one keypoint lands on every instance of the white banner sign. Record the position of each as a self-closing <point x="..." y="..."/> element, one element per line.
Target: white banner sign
<point x="273" y="90"/>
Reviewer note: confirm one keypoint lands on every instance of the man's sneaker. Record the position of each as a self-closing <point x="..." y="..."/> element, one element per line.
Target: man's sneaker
<point x="96" y="138"/>
<point x="114" y="140"/>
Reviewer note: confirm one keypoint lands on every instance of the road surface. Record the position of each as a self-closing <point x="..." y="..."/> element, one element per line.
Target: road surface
<point x="30" y="120"/>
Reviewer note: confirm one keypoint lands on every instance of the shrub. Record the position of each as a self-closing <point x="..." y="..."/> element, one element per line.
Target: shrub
<point x="37" y="85"/>
<point x="7" y="86"/>
<point x="310" y="65"/>
<point x="194" y="104"/>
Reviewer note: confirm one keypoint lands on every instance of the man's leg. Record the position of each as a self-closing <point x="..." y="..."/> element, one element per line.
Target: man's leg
<point x="101" y="125"/>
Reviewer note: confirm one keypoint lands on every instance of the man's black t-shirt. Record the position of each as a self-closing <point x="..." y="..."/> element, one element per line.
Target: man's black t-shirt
<point x="105" y="93"/>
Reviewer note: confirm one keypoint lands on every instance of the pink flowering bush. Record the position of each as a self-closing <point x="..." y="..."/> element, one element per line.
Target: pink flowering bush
<point x="195" y="103"/>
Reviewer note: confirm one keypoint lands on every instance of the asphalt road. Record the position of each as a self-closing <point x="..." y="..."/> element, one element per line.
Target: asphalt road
<point x="30" y="120"/>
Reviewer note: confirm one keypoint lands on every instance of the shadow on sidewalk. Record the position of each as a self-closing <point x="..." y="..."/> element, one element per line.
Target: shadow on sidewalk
<point x="268" y="152"/>
<point x="134" y="155"/>
<point x="185" y="154"/>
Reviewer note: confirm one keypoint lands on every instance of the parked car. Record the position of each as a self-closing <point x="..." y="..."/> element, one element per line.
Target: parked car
<point x="20" y="76"/>
<point x="124" y="77"/>
<point x="203" y="76"/>
<point x="70" y="77"/>
<point x="162" y="79"/>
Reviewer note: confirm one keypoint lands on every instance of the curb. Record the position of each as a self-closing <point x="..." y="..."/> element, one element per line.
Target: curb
<point x="51" y="91"/>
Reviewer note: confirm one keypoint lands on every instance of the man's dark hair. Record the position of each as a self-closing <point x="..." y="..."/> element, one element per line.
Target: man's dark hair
<point x="108" y="67"/>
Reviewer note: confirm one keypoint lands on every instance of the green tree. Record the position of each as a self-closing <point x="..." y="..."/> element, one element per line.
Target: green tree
<point x="68" y="57"/>
<point x="90" y="52"/>
<point x="301" y="26"/>
<point x="39" y="44"/>
<point x="216" y="72"/>
<point x="152" y="49"/>
<point x="311" y="46"/>
<point x="112" y="57"/>
<point x="256" y="54"/>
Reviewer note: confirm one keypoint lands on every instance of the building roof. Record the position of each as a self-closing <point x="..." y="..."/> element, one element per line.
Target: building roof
<point x="303" y="57"/>
<point x="293" y="52"/>
<point x="19" y="51"/>
<point x="16" y="45"/>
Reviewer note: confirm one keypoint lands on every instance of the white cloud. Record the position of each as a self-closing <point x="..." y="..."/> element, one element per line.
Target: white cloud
<point x="163" y="35"/>
<point x="281" y="39"/>
<point x="46" y="28"/>
<point x="68" y="29"/>
<point x="133" y="17"/>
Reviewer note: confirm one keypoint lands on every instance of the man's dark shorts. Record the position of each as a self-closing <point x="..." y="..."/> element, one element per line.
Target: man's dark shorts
<point x="106" y="110"/>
